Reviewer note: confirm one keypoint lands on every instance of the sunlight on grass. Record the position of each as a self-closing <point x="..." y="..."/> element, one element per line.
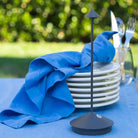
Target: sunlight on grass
<point x="135" y="54"/>
<point x="16" y="57"/>
<point x="36" y="49"/>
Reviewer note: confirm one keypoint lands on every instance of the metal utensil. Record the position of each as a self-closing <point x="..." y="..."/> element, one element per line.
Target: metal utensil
<point x="129" y="34"/>
<point x="121" y="29"/>
<point x="114" y="26"/>
<point x="130" y="30"/>
<point x="121" y="32"/>
<point x="116" y="39"/>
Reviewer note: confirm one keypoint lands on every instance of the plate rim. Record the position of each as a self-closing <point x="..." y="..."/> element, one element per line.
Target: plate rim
<point x="82" y="79"/>
<point x="94" y="89"/>
<point x="97" y="99"/>
<point x="99" y="73"/>
<point x="97" y="95"/>
<point x="98" y="105"/>
<point x="88" y="84"/>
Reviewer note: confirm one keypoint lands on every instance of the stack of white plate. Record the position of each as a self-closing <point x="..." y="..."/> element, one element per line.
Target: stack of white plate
<point x="106" y="81"/>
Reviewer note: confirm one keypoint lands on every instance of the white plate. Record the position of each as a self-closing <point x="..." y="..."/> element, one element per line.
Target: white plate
<point x="100" y="83"/>
<point x="100" y="94"/>
<point x="97" y="104"/>
<point x="108" y="76"/>
<point x="100" y="68"/>
<point x="94" y="89"/>
<point x="88" y="79"/>
<point x="96" y="99"/>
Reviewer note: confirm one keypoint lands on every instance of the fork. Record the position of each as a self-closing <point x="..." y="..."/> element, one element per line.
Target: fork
<point x="129" y="34"/>
<point x="130" y="30"/>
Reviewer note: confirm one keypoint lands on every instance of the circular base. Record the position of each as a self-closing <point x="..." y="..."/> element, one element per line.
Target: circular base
<point x="91" y="124"/>
<point x="91" y="131"/>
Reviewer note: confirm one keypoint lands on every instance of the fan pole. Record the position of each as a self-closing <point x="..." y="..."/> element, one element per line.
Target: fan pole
<point x="91" y="64"/>
<point x="92" y="15"/>
<point x="91" y="123"/>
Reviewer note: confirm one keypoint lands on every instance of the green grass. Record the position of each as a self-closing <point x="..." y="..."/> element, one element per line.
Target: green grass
<point x="16" y="57"/>
<point x="135" y="54"/>
<point x="24" y="50"/>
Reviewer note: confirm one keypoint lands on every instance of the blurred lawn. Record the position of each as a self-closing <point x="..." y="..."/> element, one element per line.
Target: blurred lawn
<point x="16" y="57"/>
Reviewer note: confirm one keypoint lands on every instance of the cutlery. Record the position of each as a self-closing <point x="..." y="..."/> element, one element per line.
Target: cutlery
<point x="116" y="39"/>
<point x="114" y="26"/>
<point x="129" y="34"/>
<point x="121" y="29"/>
<point x="130" y="31"/>
<point x="121" y="32"/>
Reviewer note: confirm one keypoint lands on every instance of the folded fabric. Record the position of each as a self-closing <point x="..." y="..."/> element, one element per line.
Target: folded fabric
<point x="45" y="96"/>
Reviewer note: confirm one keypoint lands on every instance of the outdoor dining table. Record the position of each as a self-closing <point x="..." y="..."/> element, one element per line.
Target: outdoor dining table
<point x="124" y="113"/>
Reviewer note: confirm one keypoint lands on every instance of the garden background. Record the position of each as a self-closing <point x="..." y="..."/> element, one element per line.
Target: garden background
<point x="29" y="29"/>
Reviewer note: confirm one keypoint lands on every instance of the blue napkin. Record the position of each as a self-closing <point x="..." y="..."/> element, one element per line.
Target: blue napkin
<point x="45" y="96"/>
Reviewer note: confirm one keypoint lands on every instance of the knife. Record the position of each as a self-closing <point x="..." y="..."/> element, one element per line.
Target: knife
<point x="116" y="39"/>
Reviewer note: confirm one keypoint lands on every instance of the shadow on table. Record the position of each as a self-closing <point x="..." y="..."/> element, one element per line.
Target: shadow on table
<point x="14" y="67"/>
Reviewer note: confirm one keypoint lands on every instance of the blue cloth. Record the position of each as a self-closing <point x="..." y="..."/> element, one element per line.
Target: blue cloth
<point x="45" y="96"/>
<point x="124" y="113"/>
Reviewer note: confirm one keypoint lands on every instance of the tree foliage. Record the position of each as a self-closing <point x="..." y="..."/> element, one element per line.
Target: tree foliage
<point x="59" y="20"/>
